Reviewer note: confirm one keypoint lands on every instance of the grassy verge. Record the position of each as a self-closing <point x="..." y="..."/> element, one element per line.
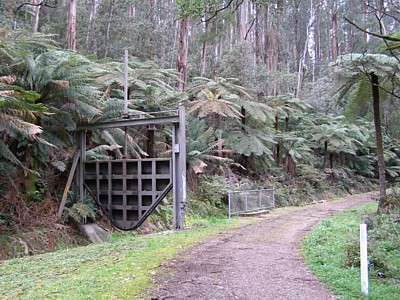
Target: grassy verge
<point x="119" y="269"/>
<point x="326" y="251"/>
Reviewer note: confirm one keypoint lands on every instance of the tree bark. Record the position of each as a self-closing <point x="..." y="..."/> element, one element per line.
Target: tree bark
<point x="91" y="25"/>
<point x="325" y="154"/>
<point x="258" y="40"/>
<point x="364" y="18"/>
<point x="203" y="53"/>
<point x="110" y="16"/>
<point x="379" y="143"/>
<point x="335" y="45"/>
<point x="181" y="63"/>
<point x="71" y="31"/>
<point x="278" y="145"/>
<point x="242" y="28"/>
<point x="37" y="16"/>
<point x="297" y="34"/>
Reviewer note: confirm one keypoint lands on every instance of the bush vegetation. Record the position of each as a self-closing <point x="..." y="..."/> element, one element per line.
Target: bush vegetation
<point x="332" y="252"/>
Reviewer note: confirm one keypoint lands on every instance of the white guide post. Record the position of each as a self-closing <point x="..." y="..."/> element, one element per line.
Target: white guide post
<point x="364" y="258"/>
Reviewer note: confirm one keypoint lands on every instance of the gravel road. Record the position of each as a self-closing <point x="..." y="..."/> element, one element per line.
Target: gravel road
<point x="257" y="261"/>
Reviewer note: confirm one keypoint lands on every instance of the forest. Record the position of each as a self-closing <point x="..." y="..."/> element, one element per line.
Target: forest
<point x="297" y="95"/>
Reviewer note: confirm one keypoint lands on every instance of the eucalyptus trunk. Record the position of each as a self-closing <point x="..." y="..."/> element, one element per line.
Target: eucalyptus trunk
<point x="37" y="16"/>
<point x="71" y="30"/>
<point x="379" y="143"/>
<point x="181" y="63"/>
<point x="335" y="44"/>
<point x="110" y="17"/>
<point x="243" y="19"/>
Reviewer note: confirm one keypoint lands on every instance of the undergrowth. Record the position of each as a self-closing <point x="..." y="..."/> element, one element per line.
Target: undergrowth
<point x="331" y="250"/>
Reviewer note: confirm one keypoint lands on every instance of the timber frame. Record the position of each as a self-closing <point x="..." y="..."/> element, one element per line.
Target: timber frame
<point x="128" y="190"/>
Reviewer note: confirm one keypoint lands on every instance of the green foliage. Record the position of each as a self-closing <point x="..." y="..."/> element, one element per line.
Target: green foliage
<point x="383" y="248"/>
<point x="210" y="196"/>
<point x="82" y="210"/>
<point x="325" y="251"/>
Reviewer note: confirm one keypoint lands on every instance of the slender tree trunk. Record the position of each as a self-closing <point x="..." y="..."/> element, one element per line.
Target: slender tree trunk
<point x="350" y="29"/>
<point x="37" y="16"/>
<point x="243" y="117"/>
<point x="318" y="33"/>
<point x="325" y="154"/>
<point x="71" y="31"/>
<point x="243" y="19"/>
<point x="297" y="34"/>
<point x="278" y="145"/>
<point x="181" y="63"/>
<point x="379" y="143"/>
<point x="335" y="44"/>
<point x="110" y="16"/>
<point x="219" y="127"/>
<point x="257" y="34"/>
<point x="203" y="53"/>
<point x="91" y="24"/>
<point x="364" y="17"/>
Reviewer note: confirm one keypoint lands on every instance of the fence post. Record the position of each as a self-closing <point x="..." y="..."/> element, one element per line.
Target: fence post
<point x="246" y="200"/>
<point x="273" y="198"/>
<point x="259" y="198"/>
<point x="229" y="204"/>
<point x="364" y="258"/>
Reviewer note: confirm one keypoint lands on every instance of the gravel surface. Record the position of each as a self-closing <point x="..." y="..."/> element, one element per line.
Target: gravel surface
<point x="257" y="261"/>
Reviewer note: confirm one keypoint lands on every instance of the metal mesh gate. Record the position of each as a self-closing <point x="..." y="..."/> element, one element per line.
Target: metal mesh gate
<point x="250" y="200"/>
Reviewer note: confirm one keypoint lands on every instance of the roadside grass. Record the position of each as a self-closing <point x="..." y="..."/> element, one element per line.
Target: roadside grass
<point x="331" y="252"/>
<point x="119" y="269"/>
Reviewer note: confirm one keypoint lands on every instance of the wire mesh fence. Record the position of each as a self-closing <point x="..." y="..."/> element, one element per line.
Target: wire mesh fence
<point x="250" y="200"/>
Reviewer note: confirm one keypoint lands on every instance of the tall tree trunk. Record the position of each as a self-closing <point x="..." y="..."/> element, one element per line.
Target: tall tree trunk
<point x="110" y="16"/>
<point x="181" y="63"/>
<point x="364" y="17"/>
<point x="335" y="44"/>
<point x="350" y="29"/>
<point x="297" y="34"/>
<point x="71" y="31"/>
<point x="203" y="53"/>
<point x="326" y="154"/>
<point x="257" y="29"/>
<point x="37" y="16"/>
<point x="379" y="143"/>
<point x="91" y="24"/>
<point x="318" y="33"/>
<point x="243" y="19"/>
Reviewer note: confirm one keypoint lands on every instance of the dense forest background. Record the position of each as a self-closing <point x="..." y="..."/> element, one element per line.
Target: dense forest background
<point x="298" y="95"/>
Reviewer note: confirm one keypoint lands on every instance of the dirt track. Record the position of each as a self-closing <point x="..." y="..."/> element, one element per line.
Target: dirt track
<point x="257" y="261"/>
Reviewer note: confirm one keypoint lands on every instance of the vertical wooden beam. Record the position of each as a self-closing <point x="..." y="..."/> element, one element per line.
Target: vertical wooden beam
<point x="179" y="168"/>
<point x="68" y="185"/>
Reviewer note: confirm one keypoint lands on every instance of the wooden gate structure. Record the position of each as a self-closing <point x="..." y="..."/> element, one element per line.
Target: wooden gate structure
<point x="128" y="190"/>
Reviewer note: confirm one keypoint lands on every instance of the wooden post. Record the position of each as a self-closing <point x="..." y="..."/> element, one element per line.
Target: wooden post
<point x="364" y="258"/>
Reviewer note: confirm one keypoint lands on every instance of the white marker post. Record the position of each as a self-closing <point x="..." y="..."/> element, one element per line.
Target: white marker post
<point x="364" y="258"/>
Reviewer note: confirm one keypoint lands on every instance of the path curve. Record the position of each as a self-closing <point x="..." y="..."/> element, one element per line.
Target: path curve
<point x="257" y="261"/>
